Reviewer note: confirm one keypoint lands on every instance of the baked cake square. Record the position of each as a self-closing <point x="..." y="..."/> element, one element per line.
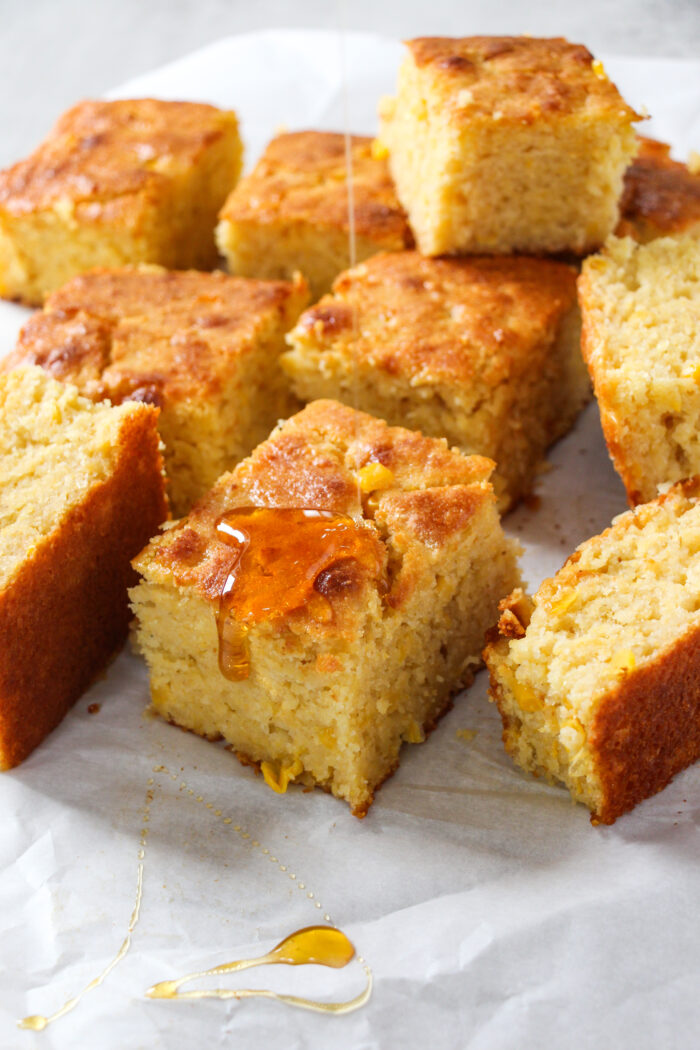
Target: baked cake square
<point x="130" y="181"/>
<point x="351" y="569"/>
<point x="81" y="491"/>
<point x="640" y="305"/>
<point x="598" y="679"/>
<point x="507" y="144"/>
<point x="204" y="347"/>
<point x="661" y="196"/>
<point x="483" y="351"/>
<point x="292" y="212"/>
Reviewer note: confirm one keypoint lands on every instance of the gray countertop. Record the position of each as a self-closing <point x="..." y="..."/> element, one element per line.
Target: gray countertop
<point x="53" y="52"/>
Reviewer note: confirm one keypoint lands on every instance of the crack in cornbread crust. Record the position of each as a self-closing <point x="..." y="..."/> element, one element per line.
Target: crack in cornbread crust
<point x="635" y="713"/>
<point x="291" y="212"/>
<point x="63" y="607"/>
<point x="506" y="144"/>
<point x="660" y="197"/>
<point x="640" y="305"/>
<point x="204" y="347"/>
<point x="340" y="694"/>
<point x="116" y="182"/>
<point x="483" y="351"/>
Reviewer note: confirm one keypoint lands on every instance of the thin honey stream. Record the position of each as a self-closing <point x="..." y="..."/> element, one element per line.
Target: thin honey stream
<point x="320" y="945"/>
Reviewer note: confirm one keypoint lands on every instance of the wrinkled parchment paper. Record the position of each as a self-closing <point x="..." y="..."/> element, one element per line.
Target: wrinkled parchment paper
<point x="491" y="912"/>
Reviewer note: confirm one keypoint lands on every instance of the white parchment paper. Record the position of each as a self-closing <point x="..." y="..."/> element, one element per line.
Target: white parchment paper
<point x="491" y="912"/>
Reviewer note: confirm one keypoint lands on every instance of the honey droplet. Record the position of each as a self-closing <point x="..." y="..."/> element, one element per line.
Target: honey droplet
<point x="93" y="708"/>
<point x="286" y="559"/>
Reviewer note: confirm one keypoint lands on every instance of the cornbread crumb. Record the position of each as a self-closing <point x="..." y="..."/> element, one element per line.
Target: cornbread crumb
<point x="482" y="351"/>
<point x="291" y="212"/>
<point x="601" y="687"/>
<point x="373" y="653"/>
<point x="640" y="305"/>
<point x="81" y="492"/>
<point x="202" y="347"/>
<point x="128" y="181"/>
<point x="506" y="144"/>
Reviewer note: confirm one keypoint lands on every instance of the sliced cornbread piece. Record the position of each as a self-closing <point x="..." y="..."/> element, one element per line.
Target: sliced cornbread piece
<point x="81" y="491"/>
<point x="483" y="351"/>
<point x="292" y="212"/>
<point x="352" y="569"/>
<point x="130" y="181"/>
<point x="661" y="196"/>
<point x="203" y="347"/>
<point x="598" y="680"/>
<point x="502" y="144"/>
<point x="641" y="340"/>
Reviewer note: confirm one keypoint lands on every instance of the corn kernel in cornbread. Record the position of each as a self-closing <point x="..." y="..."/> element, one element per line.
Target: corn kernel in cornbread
<point x="345" y="620"/>
<point x="661" y="196"/>
<point x="602" y="693"/>
<point x="482" y="351"/>
<point x="292" y="212"/>
<point x="81" y="491"/>
<point x="641" y="339"/>
<point x="506" y="144"/>
<point x="130" y="181"/>
<point x="203" y="347"/>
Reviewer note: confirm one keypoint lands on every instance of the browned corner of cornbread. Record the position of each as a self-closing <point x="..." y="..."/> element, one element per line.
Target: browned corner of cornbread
<point x="503" y="144"/>
<point x="484" y="351"/>
<point x="204" y="347"/>
<point x="360" y="644"/>
<point x="128" y="181"/>
<point x="293" y="211"/>
<point x="597" y="679"/>
<point x="661" y="196"/>
<point x="81" y="492"/>
<point x="640" y="305"/>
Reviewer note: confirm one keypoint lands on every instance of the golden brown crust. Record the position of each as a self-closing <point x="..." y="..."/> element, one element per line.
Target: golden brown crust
<point x="105" y="155"/>
<point x="522" y="79"/>
<point x="648" y="729"/>
<point x="312" y="461"/>
<point x="150" y="334"/>
<point x="660" y="197"/>
<point x="65" y="612"/>
<point x="301" y="178"/>
<point x="444" y="320"/>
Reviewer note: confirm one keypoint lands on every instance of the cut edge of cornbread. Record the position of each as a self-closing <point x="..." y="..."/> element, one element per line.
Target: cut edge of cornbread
<point x="82" y="491"/>
<point x="640" y="306"/>
<point x="330" y="705"/>
<point x="596" y="677"/>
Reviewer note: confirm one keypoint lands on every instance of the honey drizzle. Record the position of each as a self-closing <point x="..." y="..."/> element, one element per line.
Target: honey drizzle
<point x="38" y="1022"/>
<point x="279" y="557"/>
<point x="322" y="945"/>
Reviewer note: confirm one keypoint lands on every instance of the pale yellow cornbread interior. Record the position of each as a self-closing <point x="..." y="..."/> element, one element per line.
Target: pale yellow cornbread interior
<point x="619" y="604"/>
<point x="641" y="307"/>
<point x="45" y="429"/>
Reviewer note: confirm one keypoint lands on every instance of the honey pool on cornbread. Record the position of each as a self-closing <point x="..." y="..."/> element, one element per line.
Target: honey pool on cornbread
<point x="386" y="561"/>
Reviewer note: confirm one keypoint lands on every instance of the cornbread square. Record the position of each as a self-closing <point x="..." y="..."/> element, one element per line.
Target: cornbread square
<point x="661" y="196"/>
<point x="598" y="679"/>
<point x="506" y="144"/>
<point x="204" y="347"/>
<point x="640" y="306"/>
<point x="483" y="351"/>
<point x="81" y="491"/>
<point x="293" y="211"/>
<point x="353" y="652"/>
<point x="130" y="181"/>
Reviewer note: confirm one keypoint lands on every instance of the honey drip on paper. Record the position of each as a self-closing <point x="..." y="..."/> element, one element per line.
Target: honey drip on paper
<point x="322" y="945"/>
<point x="285" y="559"/>
<point x="37" y="1022"/>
